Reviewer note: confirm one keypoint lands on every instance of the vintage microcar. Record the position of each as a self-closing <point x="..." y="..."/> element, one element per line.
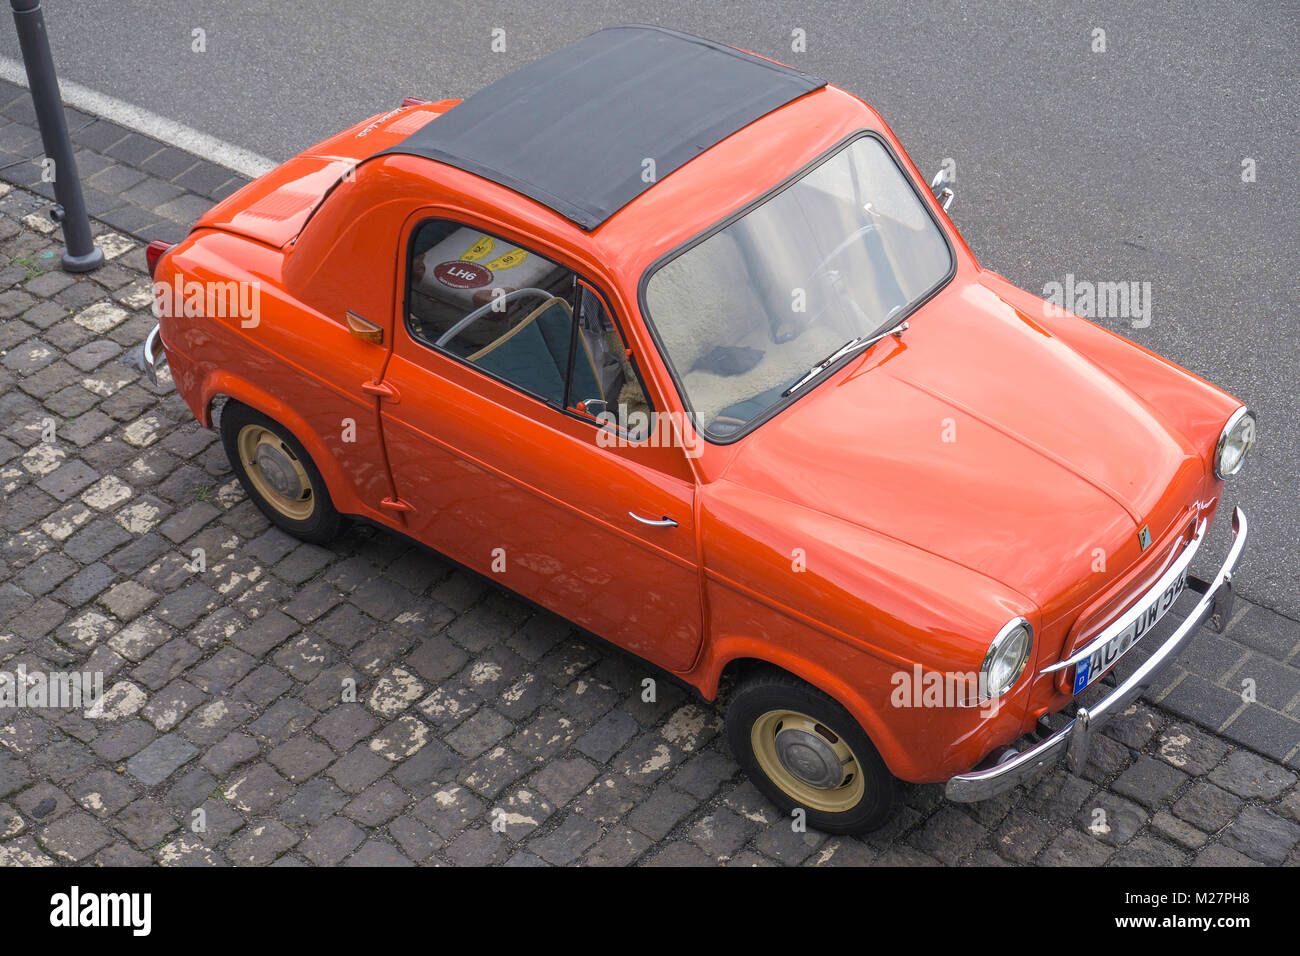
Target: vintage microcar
<point x="675" y="341"/>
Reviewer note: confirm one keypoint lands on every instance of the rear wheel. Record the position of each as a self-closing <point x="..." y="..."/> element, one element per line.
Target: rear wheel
<point x="802" y="749"/>
<point x="278" y="474"/>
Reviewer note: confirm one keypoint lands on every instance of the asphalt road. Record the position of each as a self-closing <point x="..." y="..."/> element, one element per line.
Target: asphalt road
<point x="1123" y="165"/>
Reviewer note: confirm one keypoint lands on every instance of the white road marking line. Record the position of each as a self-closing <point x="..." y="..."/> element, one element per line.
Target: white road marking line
<point x="141" y="120"/>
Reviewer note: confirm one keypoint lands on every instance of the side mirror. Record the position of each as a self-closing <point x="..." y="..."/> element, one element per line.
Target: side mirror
<point x="941" y="186"/>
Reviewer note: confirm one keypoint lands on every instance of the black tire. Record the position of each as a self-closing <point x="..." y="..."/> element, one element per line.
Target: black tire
<point x="323" y="520"/>
<point x="750" y="709"/>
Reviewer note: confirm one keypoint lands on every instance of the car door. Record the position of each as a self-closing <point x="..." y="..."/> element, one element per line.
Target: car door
<point x="496" y="466"/>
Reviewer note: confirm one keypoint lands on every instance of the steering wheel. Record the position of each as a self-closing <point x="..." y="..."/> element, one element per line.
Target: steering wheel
<point x="496" y="305"/>
<point x="829" y="282"/>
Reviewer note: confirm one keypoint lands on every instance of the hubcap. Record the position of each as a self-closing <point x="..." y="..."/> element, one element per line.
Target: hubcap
<point x="277" y="469"/>
<point x="275" y="472"/>
<point x="810" y="762"/>
<point x="810" y="758"/>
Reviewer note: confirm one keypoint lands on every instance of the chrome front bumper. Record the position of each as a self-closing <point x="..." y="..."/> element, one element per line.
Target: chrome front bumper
<point x="153" y="353"/>
<point x="1072" y="741"/>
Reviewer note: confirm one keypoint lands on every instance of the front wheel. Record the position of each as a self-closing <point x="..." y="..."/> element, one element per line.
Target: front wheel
<point x="802" y="749"/>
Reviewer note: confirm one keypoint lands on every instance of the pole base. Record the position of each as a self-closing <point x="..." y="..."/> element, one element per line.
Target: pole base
<point x="87" y="263"/>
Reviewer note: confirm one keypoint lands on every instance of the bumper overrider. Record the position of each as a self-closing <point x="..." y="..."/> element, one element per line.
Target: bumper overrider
<point x="153" y="353"/>
<point x="1072" y="741"/>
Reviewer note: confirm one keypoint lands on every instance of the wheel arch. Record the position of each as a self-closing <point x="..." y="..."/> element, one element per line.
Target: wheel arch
<point x="224" y="385"/>
<point x="738" y="657"/>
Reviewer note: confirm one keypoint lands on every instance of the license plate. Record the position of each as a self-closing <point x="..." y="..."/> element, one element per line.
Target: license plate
<point x="1102" y="659"/>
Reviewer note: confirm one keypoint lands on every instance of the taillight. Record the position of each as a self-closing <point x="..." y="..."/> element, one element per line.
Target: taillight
<point x="413" y="101"/>
<point x="153" y="252"/>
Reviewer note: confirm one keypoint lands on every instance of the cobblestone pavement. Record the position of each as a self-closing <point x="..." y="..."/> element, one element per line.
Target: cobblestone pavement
<point x="223" y="678"/>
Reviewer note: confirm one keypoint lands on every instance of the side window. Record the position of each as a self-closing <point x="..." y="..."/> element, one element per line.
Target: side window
<point x="524" y="319"/>
<point x="492" y="304"/>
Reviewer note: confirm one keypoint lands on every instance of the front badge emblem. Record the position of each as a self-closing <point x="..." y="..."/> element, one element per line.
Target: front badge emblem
<point x="1144" y="537"/>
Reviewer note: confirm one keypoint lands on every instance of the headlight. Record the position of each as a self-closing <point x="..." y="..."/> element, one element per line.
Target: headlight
<point x="1007" y="657"/>
<point x="1235" y="442"/>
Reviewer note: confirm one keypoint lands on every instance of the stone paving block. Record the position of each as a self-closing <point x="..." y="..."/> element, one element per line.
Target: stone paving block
<point x="358" y="769"/>
<point x="415" y="839"/>
<point x="1149" y="781"/>
<point x="223" y="670"/>
<point x="262" y="686"/>
<point x="218" y="819"/>
<point x="479" y="732"/>
<point x="230" y="753"/>
<point x="301" y="758"/>
<point x="331" y="841"/>
<point x="679" y="854"/>
<point x="23" y="851"/>
<point x="144" y="823"/>
<point x="567" y="842"/>
<point x="949" y="836"/>
<point x="1147" y="851"/>
<point x="561" y="780"/>
<point x="448" y="809"/>
<point x="378" y="853"/>
<point x="378" y="804"/>
<point x="314" y="802"/>
<point x="1073" y="848"/>
<point x="478" y="847"/>
<point x="168" y="662"/>
<point x="784" y="843"/>
<point x="121" y="854"/>
<point x="433" y="762"/>
<point x="161" y="759"/>
<point x="1111" y="818"/>
<point x="167" y="708"/>
<point x="1273" y="734"/>
<point x="256" y="789"/>
<point x="1199" y="700"/>
<point x="344" y="725"/>
<point x="85" y="584"/>
<point x="127" y="600"/>
<point x="1261" y="835"/>
<point x="43" y="802"/>
<point x="720" y="834"/>
<point x="261" y="844"/>
<point x="1207" y="806"/>
<point x="1222" y="856"/>
<point x="1177" y="830"/>
<point x="75" y="837"/>
<point x="1251" y="776"/>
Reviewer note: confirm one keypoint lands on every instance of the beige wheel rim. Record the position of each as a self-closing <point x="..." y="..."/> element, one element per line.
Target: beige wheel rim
<point x="807" y="760"/>
<point x="275" y="472"/>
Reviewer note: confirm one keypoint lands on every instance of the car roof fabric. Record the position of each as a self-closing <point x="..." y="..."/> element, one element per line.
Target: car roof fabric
<point x="579" y="129"/>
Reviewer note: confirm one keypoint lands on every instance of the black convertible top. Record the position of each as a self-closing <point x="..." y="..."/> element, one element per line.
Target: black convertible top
<point x="574" y="129"/>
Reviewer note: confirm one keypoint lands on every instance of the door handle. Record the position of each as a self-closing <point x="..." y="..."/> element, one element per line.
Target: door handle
<point x="665" y="523"/>
<point x="384" y="390"/>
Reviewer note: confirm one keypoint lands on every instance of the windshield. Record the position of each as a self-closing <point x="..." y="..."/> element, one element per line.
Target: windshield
<point x="840" y="254"/>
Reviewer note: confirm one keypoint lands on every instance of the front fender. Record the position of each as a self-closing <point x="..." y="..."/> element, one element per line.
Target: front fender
<point x="856" y="613"/>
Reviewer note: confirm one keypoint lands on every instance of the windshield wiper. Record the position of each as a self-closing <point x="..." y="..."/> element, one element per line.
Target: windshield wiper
<point x="852" y="345"/>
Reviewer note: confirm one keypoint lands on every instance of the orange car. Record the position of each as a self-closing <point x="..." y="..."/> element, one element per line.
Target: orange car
<point x="675" y="341"/>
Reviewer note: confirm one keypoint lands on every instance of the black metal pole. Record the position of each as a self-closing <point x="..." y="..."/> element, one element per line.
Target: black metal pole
<point x="82" y="254"/>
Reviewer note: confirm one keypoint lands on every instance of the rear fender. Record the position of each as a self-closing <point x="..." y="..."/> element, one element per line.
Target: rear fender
<point x="343" y="492"/>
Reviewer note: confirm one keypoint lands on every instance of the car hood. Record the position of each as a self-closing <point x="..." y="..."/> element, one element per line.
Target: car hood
<point x="981" y="437"/>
